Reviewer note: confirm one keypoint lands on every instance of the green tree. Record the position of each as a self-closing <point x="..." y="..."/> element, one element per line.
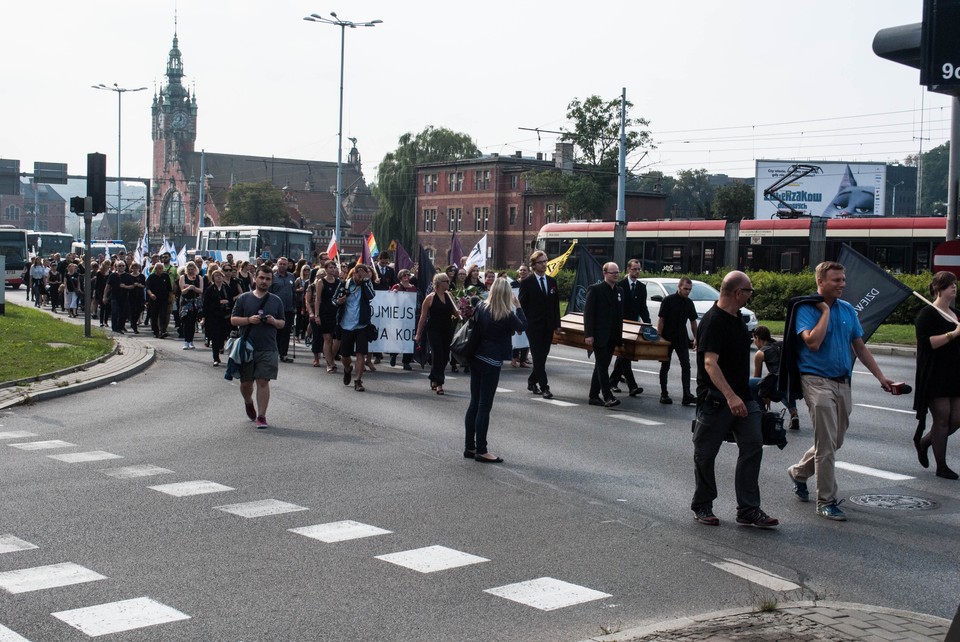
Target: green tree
<point x="692" y="194"/>
<point x="130" y="233"/>
<point x="255" y="204"/>
<point x="396" y="187"/>
<point x="596" y="139"/>
<point x="733" y="201"/>
<point x="936" y="170"/>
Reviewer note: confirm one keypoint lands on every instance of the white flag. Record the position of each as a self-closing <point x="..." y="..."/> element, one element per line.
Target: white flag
<point x="182" y="256"/>
<point x="478" y="255"/>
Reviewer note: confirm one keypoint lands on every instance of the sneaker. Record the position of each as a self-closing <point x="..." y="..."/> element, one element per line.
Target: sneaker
<point x="706" y="516"/>
<point x="799" y="488"/>
<point x="615" y="389"/>
<point x="407" y="366"/>
<point x="830" y="511"/>
<point x="347" y="371"/>
<point x="192" y="347"/>
<point x="251" y="410"/>
<point x="612" y="402"/>
<point x="794" y="423"/>
<point x="689" y="400"/>
<point x="636" y="391"/>
<point x="186" y="346"/>
<point x="546" y="394"/>
<point x="665" y="399"/>
<point x="262" y="423"/>
<point x="756" y="517"/>
<point x="596" y="401"/>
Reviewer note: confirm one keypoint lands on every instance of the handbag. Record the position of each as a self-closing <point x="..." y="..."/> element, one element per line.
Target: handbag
<point x="465" y="341"/>
<point x="372" y="333"/>
<point x="771" y="426"/>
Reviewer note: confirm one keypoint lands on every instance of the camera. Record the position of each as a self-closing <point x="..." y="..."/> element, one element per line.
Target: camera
<point x="262" y="316"/>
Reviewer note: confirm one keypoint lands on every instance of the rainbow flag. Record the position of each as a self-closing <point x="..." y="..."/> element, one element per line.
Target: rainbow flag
<point x="372" y="248"/>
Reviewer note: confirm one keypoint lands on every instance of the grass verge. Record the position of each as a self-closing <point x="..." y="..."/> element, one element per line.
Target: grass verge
<point x="900" y="334"/>
<point x="25" y="338"/>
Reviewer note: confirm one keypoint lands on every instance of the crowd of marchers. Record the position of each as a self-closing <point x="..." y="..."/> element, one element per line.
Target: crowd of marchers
<point x="326" y="306"/>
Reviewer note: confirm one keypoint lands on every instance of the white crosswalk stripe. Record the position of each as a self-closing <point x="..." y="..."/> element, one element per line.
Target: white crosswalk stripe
<point x="873" y="472"/>
<point x="39" y="578"/>
<point x="756" y="575"/>
<point x="431" y="559"/>
<point x="547" y="593"/>
<point x="115" y="617"/>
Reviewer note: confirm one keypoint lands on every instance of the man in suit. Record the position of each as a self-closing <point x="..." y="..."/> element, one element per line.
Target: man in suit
<point x="386" y="276"/>
<point x="634" y="309"/>
<point x="602" y="331"/>
<point x="540" y="301"/>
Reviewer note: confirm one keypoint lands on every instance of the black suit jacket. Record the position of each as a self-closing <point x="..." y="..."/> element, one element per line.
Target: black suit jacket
<point x="542" y="310"/>
<point x="388" y="278"/>
<point x="603" y="315"/>
<point x="635" y="304"/>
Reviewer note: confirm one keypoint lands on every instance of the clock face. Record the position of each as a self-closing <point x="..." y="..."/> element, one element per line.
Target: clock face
<point x="179" y="120"/>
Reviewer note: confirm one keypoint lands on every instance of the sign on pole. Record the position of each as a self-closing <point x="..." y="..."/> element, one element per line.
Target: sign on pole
<point x="940" y="46"/>
<point x="947" y="258"/>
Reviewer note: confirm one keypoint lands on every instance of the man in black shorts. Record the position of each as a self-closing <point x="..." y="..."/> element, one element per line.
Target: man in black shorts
<point x="263" y="312"/>
<point x="353" y="298"/>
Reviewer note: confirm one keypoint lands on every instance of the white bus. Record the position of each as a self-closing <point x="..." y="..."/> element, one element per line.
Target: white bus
<point x="98" y="247"/>
<point x="248" y="242"/>
<point x="49" y="243"/>
<point x="13" y="246"/>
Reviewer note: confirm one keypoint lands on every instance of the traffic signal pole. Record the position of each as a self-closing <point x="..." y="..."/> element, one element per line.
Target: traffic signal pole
<point x="953" y="180"/>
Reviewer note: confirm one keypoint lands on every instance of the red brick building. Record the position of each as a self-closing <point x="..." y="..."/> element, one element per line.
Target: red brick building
<point x="309" y="187"/>
<point x="18" y="210"/>
<point x="489" y="195"/>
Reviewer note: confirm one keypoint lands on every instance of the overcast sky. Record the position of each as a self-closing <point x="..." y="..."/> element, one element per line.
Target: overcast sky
<point x="722" y="83"/>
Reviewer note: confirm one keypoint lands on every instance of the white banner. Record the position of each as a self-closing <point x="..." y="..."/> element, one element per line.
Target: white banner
<point x="519" y="340"/>
<point x="395" y="315"/>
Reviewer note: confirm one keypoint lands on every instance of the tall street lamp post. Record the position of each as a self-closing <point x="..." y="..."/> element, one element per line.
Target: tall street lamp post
<point x="119" y="91"/>
<point x="343" y="24"/>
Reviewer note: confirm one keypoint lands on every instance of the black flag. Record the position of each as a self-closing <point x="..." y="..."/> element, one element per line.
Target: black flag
<point x="588" y="273"/>
<point x="873" y="293"/>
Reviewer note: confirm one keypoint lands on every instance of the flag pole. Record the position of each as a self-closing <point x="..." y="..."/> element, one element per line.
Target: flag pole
<point x="941" y="312"/>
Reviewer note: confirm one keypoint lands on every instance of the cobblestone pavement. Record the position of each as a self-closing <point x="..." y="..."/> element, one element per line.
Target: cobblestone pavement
<point x="835" y="621"/>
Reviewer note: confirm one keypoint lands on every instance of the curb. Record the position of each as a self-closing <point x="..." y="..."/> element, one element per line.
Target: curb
<point x="683" y="622"/>
<point x="65" y="371"/>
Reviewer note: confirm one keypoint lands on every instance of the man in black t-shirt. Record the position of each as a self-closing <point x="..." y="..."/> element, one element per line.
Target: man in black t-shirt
<point x="724" y="405"/>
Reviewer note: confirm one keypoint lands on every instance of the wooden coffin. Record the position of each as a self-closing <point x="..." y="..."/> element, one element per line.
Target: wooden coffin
<point x="634" y="346"/>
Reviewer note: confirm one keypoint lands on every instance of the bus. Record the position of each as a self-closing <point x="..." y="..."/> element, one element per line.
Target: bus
<point x="903" y="245"/>
<point x="49" y="243"/>
<point x="248" y="242"/>
<point x="13" y="246"/>
<point x="99" y="247"/>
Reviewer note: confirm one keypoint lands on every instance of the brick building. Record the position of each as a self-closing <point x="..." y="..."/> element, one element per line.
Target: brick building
<point x="489" y="195"/>
<point x="309" y="187"/>
<point x="18" y="210"/>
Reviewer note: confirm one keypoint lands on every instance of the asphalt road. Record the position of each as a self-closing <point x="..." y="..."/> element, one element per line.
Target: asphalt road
<point x="588" y="496"/>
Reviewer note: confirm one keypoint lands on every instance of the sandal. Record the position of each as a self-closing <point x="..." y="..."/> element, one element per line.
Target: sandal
<point x="433" y="385"/>
<point x="513" y="363"/>
<point x="316" y="364"/>
<point x="331" y="369"/>
<point x="440" y="390"/>
<point x="358" y="385"/>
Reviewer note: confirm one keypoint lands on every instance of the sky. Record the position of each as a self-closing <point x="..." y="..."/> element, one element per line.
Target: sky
<point x="721" y="83"/>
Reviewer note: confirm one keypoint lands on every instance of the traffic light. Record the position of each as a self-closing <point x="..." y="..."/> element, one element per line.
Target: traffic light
<point x="97" y="181"/>
<point x="76" y="204"/>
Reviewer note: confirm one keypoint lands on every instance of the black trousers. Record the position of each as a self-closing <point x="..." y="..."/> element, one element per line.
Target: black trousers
<point x="283" y="335"/>
<point x="600" y="383"/>
<point x="156" y="310"/>
<point x="683" y="356"/>
<point x="540" y="340"/>
<point x="623" y="369"/>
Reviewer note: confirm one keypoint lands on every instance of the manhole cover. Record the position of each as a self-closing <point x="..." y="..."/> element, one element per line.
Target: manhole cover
<point x="895" y="502"/>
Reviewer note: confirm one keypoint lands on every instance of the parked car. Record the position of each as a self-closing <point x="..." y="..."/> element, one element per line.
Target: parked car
<point x="702" y="295"/>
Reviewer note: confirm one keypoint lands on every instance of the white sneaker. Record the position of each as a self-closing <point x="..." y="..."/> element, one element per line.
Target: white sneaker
<point x="186" y="346"/>
<point x="192" y="347"/>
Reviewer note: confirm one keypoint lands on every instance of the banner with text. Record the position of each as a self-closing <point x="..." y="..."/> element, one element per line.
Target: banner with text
<point x="395" y="315"/>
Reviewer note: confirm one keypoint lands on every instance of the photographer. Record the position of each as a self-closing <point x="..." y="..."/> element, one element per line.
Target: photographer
<point x="353" y="298"/>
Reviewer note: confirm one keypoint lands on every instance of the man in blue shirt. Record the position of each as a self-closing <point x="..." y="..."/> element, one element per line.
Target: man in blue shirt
<point x="828" y="331"/>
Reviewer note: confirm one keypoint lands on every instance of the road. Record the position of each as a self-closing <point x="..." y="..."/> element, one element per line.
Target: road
<point x="591" y="497"/>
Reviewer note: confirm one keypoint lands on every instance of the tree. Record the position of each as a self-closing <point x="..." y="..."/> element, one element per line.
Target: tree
<point x="255" y="204"/>
<point x="936" y="170"/>
<point x="596" y="139"/>
<point x="692" y="194"/>
<point x="733" y="201"/>
<point x="130" y="233"/>
<point x="396" y="187"/>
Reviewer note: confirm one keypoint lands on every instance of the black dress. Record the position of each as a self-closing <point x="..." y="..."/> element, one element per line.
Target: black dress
<point x="441" y="324"/>
<point x="936" y="369"/>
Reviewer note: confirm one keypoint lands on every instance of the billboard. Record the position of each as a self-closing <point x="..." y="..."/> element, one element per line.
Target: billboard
<point x="839" y="189"/>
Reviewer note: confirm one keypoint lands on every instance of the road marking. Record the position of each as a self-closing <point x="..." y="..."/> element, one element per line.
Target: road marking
<point x="547" y="593"/>
<point x="261" y="508"/>
<point x="115" y="617"/>
<point x="79" y="458"/>
<point x="339" y="531"/>
<point x="44" y="577"/>
<point x="755" y="575"/>
<point x="589" y="363"/>
<point x="185" y="489"/>
<point x="875" y="472"/>
<point x="140" y="470"/>
<point x="16" y="434"/>
<point x="906" y="412"/>
<point x="504" y="390"/>
<point x="555" y="402"/>
<point x="42" y="445"/>
<point x="12" y="544"/>
<point x="431" y="559"/>
<point x="6" y="635"/>
<point x="636" y="420"/>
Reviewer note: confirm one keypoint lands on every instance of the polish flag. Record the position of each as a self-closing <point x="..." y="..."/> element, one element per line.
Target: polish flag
<point x="332" y="248"/>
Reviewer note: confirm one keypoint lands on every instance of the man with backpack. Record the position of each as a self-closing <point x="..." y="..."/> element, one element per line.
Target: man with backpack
<point x="764" y="389"/>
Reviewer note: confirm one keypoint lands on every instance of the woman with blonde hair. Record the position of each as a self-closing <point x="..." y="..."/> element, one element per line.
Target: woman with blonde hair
<point x="439" y="316"/>
<point x="496" y="319"/>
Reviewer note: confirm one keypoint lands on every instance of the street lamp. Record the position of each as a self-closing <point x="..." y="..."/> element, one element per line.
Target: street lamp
<point x="893" y="201"/>
<point x="343" y="24"/>
<point x="120" y="91"/>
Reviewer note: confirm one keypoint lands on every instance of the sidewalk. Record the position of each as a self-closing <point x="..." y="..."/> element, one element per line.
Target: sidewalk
<point x="835" y="621"/>
<point x="129" y="357"/>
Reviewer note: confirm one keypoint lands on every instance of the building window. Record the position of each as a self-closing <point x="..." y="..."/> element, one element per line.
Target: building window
<point x="514" y="181"/>
<point x="548" y="218"/>
<point x="459" y="219"/>
<point x="455" y="181"/>
<point x="452" y="216"/>
<point x="429" y="220"/>
<point x="483" y="179"/>
<point x="11" y="213"/>
<point x="42" y="226"/>
<point x="513" y="215"/>
<point x="529" y="214"/>
<point x="43" y="209"/>
<point x="478" y="219"/>
<point x="430" y="183"/>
